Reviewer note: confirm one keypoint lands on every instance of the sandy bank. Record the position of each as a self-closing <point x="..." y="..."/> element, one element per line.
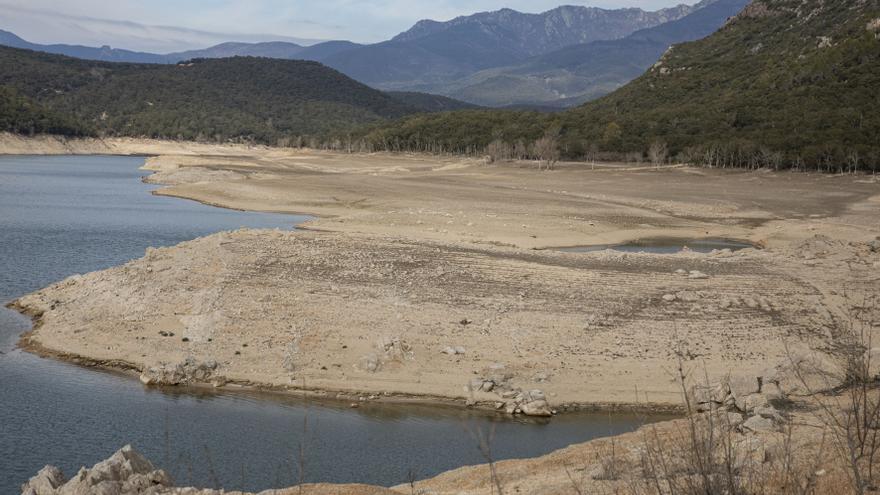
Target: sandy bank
<point x="14" y="144"/>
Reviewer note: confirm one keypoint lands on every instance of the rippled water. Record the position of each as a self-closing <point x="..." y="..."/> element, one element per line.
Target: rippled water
<point x="65" y="215"/>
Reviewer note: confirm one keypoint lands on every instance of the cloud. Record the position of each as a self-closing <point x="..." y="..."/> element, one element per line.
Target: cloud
<point x="46" y="27"/>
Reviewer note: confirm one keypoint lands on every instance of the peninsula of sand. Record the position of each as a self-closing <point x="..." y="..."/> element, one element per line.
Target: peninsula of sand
<point x="438" y="277"/>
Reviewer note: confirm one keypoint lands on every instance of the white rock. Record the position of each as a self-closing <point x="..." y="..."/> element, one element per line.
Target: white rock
<point x="538" y="408"/>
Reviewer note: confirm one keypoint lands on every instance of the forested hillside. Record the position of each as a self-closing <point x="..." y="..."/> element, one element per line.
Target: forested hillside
<point x="787" y="83"/>
<point x="257" y="99"/>
<point x="21" y="115"/>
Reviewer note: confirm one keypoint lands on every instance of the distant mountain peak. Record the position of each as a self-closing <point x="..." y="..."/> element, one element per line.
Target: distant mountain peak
<point x="561" y="26"/>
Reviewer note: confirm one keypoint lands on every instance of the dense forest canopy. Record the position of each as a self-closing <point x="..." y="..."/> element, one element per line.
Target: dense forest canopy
<point x="258" y="99"/>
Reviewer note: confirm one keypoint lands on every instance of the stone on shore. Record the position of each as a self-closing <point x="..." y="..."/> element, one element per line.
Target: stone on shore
<point x="188" y="372"/>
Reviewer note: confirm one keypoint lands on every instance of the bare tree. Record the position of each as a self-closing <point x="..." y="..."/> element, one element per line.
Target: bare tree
<point x="658" y="152"/>
<point x="497" y="151"/>
<point x="546" y="150"/>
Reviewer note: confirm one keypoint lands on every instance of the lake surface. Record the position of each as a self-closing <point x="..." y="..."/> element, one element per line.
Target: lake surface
<point x="65" y="215"/>
<point x="665" y="245"/>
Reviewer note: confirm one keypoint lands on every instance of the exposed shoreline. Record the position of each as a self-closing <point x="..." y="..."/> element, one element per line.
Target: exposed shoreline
<point x="230" y="181"/>
<point x="132" y="371"/>
<point x="384" y="260"/>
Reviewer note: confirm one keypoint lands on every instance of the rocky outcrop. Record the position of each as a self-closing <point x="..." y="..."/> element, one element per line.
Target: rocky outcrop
<point x="188" y="372"/>
<point x="758" y="397"/>
<point x="512" y="400"/>
<point x="129" y="473"/>
<point x="125" y="473"/>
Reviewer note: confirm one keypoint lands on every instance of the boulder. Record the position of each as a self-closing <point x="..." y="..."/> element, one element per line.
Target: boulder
<point x="749" y="403"/>
<point x="743" y="385"/>
<point x="713" y="393"/>
<point x="538" y="408"/>
<point x="536" y="395"/>
<point x="697" y="275"/>
<point x="733" y="420"/>
<point x="758" y="424"/>
<point x="768" y="412"/>
<point x="807" y="373"/>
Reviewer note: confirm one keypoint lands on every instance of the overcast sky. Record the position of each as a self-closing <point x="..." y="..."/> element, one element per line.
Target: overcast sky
<point x="171" y="25"/>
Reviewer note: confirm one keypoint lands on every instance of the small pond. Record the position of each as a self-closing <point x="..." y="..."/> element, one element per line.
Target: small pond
<point x="665" y="245"/>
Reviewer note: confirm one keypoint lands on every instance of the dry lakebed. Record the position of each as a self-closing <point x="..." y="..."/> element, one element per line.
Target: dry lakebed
<point x="438" y="279"/>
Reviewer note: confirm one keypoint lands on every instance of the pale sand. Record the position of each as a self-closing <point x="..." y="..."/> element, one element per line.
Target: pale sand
<point x="413" y="245"/>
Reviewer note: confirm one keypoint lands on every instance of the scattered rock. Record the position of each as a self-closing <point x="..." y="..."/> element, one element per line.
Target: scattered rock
<point x="697" y="275"/>
<point x="454" y="351"/>
<point x="395" y="349"/>
<point x="541" y="377"/>
<point x="369" y="363"/>
<point x="669" y="298"/>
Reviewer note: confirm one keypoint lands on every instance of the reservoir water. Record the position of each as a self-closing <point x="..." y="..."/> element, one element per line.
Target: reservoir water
<point x="65" y="215"/>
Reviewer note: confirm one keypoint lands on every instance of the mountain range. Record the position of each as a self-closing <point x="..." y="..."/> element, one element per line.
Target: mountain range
<point x="581" y="72"/>
<point x="272" y="49"/>
<point x="558" y="58"/>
